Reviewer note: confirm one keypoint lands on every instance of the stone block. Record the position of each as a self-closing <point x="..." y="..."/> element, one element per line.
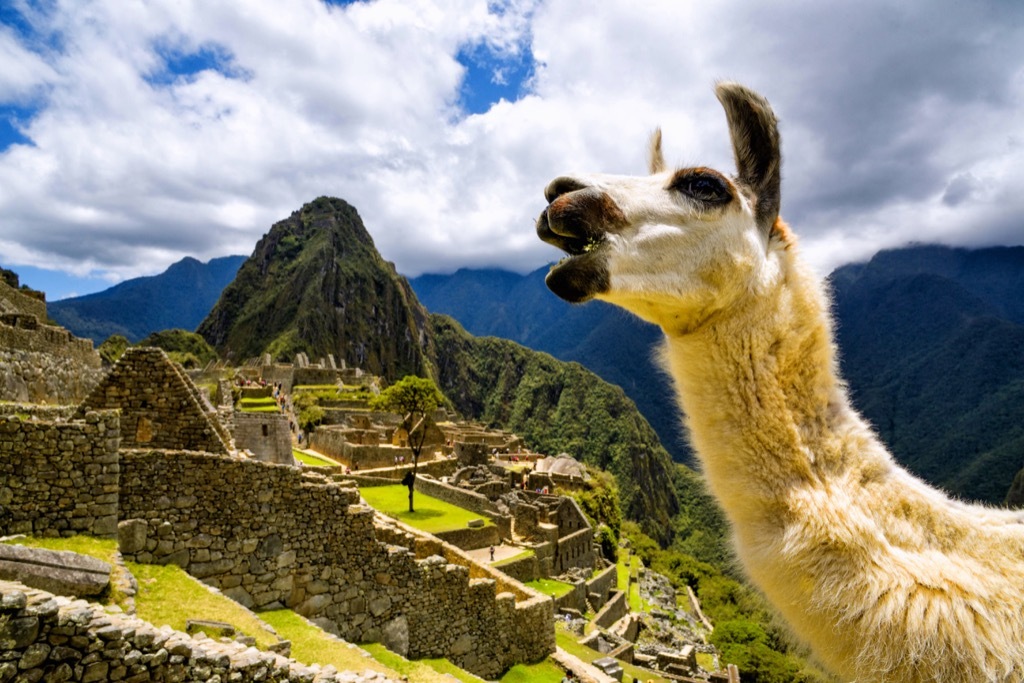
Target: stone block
<point x="131" y="536"/>
<point x="61" y="572"/>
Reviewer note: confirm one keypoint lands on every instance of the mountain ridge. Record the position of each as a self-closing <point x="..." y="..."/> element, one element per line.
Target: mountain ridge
<point x="128" y="308"/>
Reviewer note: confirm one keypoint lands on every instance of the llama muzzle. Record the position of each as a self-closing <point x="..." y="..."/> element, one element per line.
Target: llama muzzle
<point x="577" y="220"/>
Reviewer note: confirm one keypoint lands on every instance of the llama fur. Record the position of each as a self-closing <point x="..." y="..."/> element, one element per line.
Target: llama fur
<point x="884" y="577"/>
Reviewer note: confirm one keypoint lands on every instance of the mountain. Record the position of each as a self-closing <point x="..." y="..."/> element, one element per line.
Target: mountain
<point x="930" y="343"/>
<point x="315" y="283"/>
<point x="617" y="346"/>
<point x="180" y="297"/>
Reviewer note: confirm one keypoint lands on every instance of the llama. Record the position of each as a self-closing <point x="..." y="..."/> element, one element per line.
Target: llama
<point x="885" y="578"/>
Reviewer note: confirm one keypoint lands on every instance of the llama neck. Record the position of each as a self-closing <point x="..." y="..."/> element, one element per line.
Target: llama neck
<point x="760" y="395"/>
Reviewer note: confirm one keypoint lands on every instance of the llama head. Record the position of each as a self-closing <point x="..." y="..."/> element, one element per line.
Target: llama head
<point x="676" y="246"/>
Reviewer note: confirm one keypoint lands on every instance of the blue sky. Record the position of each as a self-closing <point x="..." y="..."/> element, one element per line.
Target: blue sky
<point x="132" y="136"/>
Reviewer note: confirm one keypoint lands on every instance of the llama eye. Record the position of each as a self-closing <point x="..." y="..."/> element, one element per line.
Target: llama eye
<point x="705" y="188"/>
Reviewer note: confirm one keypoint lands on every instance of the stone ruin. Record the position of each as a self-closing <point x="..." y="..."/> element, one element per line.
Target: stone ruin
<point x="41" y="363"/>
<point x="160" y="406"/>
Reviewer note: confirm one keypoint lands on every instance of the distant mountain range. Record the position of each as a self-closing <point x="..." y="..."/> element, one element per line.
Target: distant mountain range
<point x="931" y="338"/>
<point x="932" y="345"/>
<point x="180" y="297"/>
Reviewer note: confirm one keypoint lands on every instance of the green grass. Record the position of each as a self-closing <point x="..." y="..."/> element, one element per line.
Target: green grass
<point x="542" y="672"/>
<point x="630" y="566"/>
<point x="314" y="387"/>
<point x="706" y="661"/>
<point x="419" y="671"/>
<point x="313" y="460"/>
<point x="167" y="595"/>
<point x="555" y="589"/>
<point x="431" y="515"/>
<point x="259" y="405"/>
<point x="310" y="645"/>
<point x="622" y="570"/>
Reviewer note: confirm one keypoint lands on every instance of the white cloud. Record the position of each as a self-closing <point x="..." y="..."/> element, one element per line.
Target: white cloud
<point x="883" y="108"/>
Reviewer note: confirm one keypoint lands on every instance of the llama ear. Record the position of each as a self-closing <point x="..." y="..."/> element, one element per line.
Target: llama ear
<point x="656" y="160"/>
<point x="755" y="144"/>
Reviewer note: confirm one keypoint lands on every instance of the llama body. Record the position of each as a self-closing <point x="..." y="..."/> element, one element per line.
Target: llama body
<point x="884" y="577"/>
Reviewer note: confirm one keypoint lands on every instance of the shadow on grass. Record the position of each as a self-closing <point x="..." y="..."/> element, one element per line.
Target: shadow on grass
<point x="419" y="515"/>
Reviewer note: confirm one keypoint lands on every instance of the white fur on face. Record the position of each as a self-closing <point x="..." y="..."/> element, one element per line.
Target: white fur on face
<point x="675" y="260"/>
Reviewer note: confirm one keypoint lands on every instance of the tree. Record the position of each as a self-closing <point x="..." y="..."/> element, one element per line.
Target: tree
<point x="113" y="348"/>
<point x="415" y="399"/>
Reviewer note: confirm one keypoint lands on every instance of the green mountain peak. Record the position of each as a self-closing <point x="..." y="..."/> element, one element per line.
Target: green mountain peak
<point x="315" y="283"/>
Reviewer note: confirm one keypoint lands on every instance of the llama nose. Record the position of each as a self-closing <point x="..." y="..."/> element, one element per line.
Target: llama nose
<point x="562" y="185"/>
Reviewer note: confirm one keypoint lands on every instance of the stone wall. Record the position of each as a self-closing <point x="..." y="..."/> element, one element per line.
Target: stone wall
<point x="34" y="376"/>
<point x="41" y="363"/>
<point x="524" y="569"/>
<point x="53" y="638"/>
<point x="269" y="535"/>
<point x="574" y="550"/>
<point x="13" y="300"/>
<point x="575" y="599"/>
<point x="266" y="435"/>
<point x="613" y="610"/>
<point x="471" y="539"/>
<point x="59" y="478"/>
<point x="307" y="376"/>
<point x="601" y="585"/>
<point x="333" y="443"/>
<point x="435" y="468"/>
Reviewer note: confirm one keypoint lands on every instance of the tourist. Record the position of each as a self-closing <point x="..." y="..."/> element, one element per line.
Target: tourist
<point x="492" y="553"/>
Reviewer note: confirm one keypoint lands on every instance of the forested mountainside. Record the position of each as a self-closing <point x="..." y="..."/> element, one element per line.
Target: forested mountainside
<point x="617" y="346"/>
<point x="932" y="344"/>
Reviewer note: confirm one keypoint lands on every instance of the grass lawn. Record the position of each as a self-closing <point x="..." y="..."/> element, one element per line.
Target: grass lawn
<point x="432" y="515"/>
<point x="167" y="595"/>
<point x="542" y="672"/>
<point x="313" y="460"/>
<point x="706" y="661"/>
<point x="259" y="405"/>
<point x="636" y="603"/>
<point x="310" y="645"/>
<point x="622" y="570"/>
<point x="555" y="589"/>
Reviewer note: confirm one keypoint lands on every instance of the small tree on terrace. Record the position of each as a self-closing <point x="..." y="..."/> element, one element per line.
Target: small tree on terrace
<point x="415" y="399"/>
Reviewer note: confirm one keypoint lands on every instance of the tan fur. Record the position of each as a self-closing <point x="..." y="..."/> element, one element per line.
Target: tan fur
<point x="886" y="578"/>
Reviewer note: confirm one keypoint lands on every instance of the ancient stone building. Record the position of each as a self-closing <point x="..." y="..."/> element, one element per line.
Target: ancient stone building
<point x="160" y="406"/>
